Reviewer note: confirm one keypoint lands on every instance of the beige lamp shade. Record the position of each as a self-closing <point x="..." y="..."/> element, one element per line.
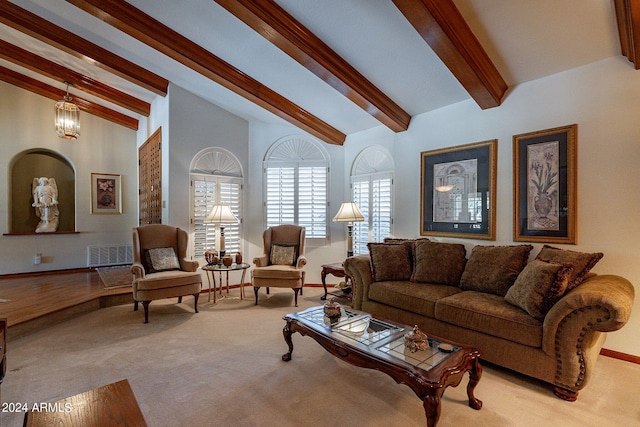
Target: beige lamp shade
<point x="221" y="214"/>
<point x="349" y="212"/>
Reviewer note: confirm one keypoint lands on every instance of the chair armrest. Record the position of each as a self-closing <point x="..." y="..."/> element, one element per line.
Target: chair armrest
<point x="261" y="261"/>
<point x="359" y="269"/>
<point x="188" y="265"/>
<point x="137" y="270"/>
<point x="572" y="329"/>
<point x="301" y="262"/>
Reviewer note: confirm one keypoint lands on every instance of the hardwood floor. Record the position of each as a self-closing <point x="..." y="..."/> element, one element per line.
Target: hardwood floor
<point x="31" y="301"/>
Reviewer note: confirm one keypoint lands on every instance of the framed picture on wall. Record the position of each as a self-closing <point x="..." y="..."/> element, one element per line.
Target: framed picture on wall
<point x="545" y="185"/>
<point x="458" y="191"/>
<point x="106" y="193"/>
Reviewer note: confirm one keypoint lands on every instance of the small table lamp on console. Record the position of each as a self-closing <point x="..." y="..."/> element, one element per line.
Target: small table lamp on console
<point x="221" y="215"/>
<point x="349" y="213"/>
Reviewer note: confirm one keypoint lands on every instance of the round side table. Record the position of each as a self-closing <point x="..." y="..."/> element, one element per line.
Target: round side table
<point x="220" y="268"/>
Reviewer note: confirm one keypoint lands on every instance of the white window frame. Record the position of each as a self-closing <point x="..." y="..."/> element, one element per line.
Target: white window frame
<point x="288" y="163"/>
<point x="371" y="168"/>
<point x="221" y="171"/>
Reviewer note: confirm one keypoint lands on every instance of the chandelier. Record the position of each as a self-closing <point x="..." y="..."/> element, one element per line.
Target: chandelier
<point x="67" y="118"/>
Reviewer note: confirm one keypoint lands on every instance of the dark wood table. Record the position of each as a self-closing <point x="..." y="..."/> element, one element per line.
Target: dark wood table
<point x="337" y="270"/>
<point x="367" y="342"/>
<point x="111" y="405"/>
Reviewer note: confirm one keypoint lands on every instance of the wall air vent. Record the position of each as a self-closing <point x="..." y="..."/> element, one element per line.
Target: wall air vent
<point x="100" y="256"/>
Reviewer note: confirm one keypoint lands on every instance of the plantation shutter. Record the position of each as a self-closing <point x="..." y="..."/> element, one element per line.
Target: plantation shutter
<point x="312" y="201"/>
<point x="381" y="208"/>
<point x="361" y="229"/>
<point x="204" y="191"/>
<point x="230" y="191"/>
<point x="296" y="174"/>
<point x="281" y="195"/>
<point x="372" y="191"/>
<point x="216" y="178"/>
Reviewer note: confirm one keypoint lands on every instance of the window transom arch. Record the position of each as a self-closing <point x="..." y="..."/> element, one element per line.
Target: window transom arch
<point x="216" y="178"/>
<point x="372" y="190"/>
<point x="296" y="180"/>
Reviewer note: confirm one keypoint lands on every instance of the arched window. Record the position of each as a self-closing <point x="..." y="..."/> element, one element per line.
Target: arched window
<point x="216" y="178"/>
<point x="372" y="191"/>
<point x="296" y="171"/>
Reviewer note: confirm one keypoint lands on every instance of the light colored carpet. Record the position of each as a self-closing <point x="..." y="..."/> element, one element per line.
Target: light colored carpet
<point x="223" y="367"/>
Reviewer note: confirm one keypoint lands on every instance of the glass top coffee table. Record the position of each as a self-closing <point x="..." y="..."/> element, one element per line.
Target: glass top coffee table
<point x="368" y="342"/>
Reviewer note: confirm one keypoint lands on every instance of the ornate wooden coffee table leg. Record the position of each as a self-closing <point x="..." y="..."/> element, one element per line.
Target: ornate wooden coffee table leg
<point x="286" y="331"/>
<point x="431" y="406"/>
<point x="474" y="378"/>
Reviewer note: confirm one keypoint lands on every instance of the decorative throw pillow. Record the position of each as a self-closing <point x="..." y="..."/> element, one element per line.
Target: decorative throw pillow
<point x="283" y="254"/>
<point x="161" y="259"/>
<point x="389" y="261"/>
<point x="582" y="262"/>
<point x="441" y="263"/>
<point x="410" y="243"/>
<point x="539" y="286"/>
<point x="493" y="269"/>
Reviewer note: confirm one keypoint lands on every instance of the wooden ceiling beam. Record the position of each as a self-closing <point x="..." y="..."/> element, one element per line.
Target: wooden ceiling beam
<point x="271" y="21"/>
<point x="442" y="26"/>
<point x="144" y="28"/>
<point x="43" y="30"/>
<point x="36" y="63"/>
<point x="628" y="18"/>
<point x="43" y="89"/>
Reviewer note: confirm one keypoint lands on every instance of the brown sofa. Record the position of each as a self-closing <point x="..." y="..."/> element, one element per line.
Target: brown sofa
<point x="545" y="318"/>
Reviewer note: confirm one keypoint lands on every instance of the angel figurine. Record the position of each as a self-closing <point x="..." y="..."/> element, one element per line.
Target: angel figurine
<point x="45" y="200"/>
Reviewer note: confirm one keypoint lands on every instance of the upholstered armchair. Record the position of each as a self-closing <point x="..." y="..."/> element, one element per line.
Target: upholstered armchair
<point x="160" y="268"/>
<point x="283" y="261"/>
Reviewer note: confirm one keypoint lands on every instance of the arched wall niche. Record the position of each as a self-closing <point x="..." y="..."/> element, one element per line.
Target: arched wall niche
<point x="37" y="163"/>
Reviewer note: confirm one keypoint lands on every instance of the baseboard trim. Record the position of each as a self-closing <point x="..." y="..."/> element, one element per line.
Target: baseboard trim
<point x="46" y="272"/>
<point x="621" y="356"/>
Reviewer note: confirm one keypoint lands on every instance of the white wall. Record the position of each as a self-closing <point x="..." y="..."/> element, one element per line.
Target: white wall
<point x="195" y="124"/>
<point x="602" y="98"/>
<point x="26" y="122"/>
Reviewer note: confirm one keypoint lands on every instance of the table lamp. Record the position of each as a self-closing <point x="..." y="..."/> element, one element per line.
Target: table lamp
<point x="349" y="213"/>
<point x="221" y="215"/>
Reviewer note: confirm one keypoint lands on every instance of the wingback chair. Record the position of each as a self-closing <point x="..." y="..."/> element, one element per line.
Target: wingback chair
<point x="283" y="261"/>
<point x="160" y="268"/>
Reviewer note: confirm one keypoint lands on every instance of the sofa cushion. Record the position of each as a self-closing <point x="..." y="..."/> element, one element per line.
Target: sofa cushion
<point x="582" y="262"/>
<point x="489" y="314"/>
<point x="418" y="298"/>
<point x="440" y="263"/>
<point x="539" y="286"/>
<point x="493" y="269"/>
<point x="282" y="254"/>
<point x="161" y="259"/>
<point x="390" y="261"/>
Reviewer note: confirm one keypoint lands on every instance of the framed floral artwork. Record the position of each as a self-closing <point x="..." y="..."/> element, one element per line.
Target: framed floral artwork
<point x="106" y="193"/>
<point x="458" y="191"/>
<point x="544" y="185"/>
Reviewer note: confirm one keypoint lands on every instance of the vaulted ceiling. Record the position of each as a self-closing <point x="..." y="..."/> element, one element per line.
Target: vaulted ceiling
<point x="330" y="67"/>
